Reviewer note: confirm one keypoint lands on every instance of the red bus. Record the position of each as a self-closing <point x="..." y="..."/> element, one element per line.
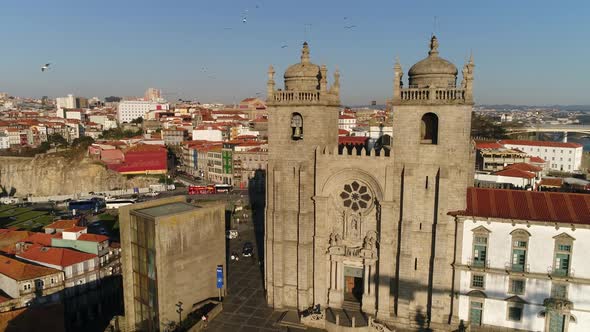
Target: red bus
<point x="201" y="190"/>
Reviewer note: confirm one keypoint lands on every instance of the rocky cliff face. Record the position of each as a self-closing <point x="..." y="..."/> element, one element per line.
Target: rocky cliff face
<point x="47" y="175"/>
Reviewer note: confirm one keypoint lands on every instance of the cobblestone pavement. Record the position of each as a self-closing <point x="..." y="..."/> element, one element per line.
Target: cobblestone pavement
<point x="244" y="307"/>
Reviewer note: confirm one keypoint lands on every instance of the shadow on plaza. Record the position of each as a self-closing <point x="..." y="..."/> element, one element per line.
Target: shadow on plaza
<point x="257" y="195"/>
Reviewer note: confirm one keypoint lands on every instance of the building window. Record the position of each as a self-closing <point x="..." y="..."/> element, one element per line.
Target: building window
<point x="27" y="286"/>
<point x="480" y="246"/>
<point x="559" y="291"/>
<point x="478" y="281"/>
<point x="562" y="256"/>
<point x="516" y="286"/>
<point x="296" y="126"/>
<point x="520" y="239"/>
<point x="429" y="129"/>
<point x="475" y="312"/>
<point x="515" y="312"/>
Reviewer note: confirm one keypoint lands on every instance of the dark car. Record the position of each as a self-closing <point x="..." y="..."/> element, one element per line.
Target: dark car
<point x="248" y="249"/>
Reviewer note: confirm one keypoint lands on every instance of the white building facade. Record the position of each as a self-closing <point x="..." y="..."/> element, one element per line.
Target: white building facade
<point x="4" y="141"/>
<point x="565" y="157"/>
<point x="65" y="102"/>
<point x="525" y="275"/>
<point x="129" y="110"/>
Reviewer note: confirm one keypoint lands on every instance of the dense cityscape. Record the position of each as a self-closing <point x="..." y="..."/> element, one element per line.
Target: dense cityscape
<point x="290" y="209"/>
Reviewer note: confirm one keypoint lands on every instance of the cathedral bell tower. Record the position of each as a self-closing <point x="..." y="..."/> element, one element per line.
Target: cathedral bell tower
<point x="433" y="167"/>
<point x="301" y="117"/>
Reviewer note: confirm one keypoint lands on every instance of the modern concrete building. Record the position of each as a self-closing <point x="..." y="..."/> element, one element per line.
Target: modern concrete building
<point x="171" y="250"/>
<point x="129" y="110"/>
<point x="368" y="230"/>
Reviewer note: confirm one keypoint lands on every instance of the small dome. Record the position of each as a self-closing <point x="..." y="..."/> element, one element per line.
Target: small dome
<point x="433" y="71"/>
<point x="304" y="75"/>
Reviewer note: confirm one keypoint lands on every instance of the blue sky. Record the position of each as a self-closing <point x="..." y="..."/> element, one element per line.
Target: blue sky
<point x="526" y="52"/>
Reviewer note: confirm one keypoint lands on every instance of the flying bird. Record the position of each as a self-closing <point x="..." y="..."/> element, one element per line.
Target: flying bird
<point x="45" y="67"/>
<point x="284" y="46"/>
<point x="244" y="20"/>
<point x="350" y="27"/>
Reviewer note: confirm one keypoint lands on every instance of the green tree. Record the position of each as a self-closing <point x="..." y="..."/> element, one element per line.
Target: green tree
<point x="57" y="139"/>
<point x="82" y="142"/>
<point x="138" y="120"/>
<point x="484" y="127"/>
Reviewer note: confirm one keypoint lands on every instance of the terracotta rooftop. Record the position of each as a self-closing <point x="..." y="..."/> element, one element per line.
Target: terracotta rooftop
<point x="92" y="237"/>
<point x="515" y="173"/>
<point x="146" y="148"/>
<point x="18" y="270"/>
<point x="43" y="239"/>
<point x="488" y="145"/>
<point x="75" y="229"/>
<point x="62" y="224"/>
<point x="55" y="256"/>
<point x="551" y="182"/>
<point x="352" y="140"/>
<point x="525" y="167"/>
<point x="528" y="205"/>
<point x="541" y="143"/>
<point x="537" y="160"/>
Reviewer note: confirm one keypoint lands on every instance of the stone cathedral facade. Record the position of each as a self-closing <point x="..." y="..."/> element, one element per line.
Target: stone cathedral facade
<point x="369" y="227"/>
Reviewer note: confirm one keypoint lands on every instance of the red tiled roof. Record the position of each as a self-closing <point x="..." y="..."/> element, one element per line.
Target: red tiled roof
<point x="528" y="205"/>
<point x="343" y="132"/>
<point x="346" y="117"/>
<point x="43" y="239"/>
<point x="352" y="140"/>
<point x="515" y="173"/>
<point x="146" y="148"/>
<point x="62" y="224"/>
<point x="55" y="256"/>
<point x="488" y="145"/>
<point x="537" y="160"/>
<point x="18" y="270"/>
<point x="525" y="167"/>
<point x="92" y="238"/>
<point x="541" y="143"/>
<point x="74" y="229"/>
<point x="551" y="182"/>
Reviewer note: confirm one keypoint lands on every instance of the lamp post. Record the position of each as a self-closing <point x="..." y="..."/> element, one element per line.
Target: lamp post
<point x="179" y="311"/>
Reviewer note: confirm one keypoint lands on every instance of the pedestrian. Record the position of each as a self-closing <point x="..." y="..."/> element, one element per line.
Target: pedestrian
<point x="204" y="319"/>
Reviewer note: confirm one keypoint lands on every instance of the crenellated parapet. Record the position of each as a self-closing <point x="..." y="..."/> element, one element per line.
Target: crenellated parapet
<point x="351" y="152"/>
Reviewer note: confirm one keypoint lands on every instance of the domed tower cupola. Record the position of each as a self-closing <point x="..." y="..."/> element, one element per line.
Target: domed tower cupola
<point x="303" y="76"/>
<point x="433" y="71"/>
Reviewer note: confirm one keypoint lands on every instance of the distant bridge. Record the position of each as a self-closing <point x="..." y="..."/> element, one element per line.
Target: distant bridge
<point x="561" y="128"/>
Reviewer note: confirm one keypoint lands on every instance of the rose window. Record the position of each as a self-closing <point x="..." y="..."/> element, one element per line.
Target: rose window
<point x="355" y="196"/>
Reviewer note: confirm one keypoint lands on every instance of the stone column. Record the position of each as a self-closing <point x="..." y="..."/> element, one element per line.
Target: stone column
<point x="369" y="289"/>
<point x="336" y="295"/>
<point x="323" y="266"/>
<point x="385" y="263"/>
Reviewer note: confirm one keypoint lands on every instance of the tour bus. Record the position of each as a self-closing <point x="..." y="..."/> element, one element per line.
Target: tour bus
<point x="223" y="188"/>
<point x="117" y="203"/>
<point x="201" y="190"/>
<point x="93" y="204"/>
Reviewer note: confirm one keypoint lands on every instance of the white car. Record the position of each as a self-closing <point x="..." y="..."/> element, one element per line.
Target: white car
<point x="153" y="194"/>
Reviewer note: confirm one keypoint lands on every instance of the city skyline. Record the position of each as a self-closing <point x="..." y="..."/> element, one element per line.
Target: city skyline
<point x="207" y="52"/>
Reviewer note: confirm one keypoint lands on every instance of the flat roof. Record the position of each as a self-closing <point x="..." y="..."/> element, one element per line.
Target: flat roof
<point x="166" y="209"/>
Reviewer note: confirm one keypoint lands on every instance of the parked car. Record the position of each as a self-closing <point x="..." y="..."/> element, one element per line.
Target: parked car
<point x="248" y="249"/>
<point x="232" y="234"/>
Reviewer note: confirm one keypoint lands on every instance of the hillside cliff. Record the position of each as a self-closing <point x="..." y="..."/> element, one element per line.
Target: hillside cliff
<point x="46" y="175"/>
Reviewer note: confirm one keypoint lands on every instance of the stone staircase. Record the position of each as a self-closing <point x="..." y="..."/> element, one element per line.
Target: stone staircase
<point x="350" y="311"/>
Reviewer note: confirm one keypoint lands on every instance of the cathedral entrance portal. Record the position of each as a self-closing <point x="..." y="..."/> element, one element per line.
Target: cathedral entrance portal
<point x="353" y="284"/>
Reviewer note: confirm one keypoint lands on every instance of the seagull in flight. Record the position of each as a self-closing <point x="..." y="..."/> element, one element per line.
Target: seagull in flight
<point x="244" y="20"/>
<point x="350" y="27"/>
<point x="45" y="67"/>
<point x="284" y="46"/>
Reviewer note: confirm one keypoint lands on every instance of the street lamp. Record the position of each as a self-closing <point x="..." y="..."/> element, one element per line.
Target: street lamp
<point x="179" y="311"/>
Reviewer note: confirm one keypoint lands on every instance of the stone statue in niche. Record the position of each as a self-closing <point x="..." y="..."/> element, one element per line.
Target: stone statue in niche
<point x="369" y="245"/>
<point x="353" y="227"/>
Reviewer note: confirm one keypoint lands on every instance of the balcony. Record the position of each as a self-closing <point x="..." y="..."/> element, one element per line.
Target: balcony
<point x="558" y="272"/>
<point x="478" y="263"/>
<point x="523" y="268"/>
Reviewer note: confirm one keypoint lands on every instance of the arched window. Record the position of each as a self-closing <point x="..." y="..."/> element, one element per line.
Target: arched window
<point x="429" y="129"/>
<point x="296" y="126"/>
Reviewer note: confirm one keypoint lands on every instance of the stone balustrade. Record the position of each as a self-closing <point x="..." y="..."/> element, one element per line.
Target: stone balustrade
<point x="431" y="95"/>
<point x="296" y="96"/>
